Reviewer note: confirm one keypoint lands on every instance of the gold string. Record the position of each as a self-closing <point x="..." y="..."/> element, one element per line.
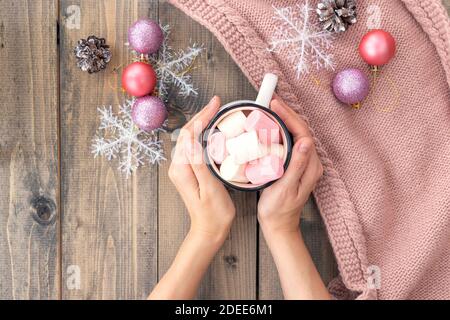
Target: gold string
<point x="375" y="73"/>
<point x="393" y="87"/>
<point x="115" y="73"/>
<point x="316" y="81"/>
<point x="189" y="68"/>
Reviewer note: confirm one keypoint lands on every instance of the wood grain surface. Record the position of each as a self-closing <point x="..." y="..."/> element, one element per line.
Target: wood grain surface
<point x="29" y="208"/>
<point x="109" y="223"/>
<point x="73" y="227"/>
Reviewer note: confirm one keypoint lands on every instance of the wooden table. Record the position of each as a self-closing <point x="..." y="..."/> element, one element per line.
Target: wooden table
<point x="74" y="227"/>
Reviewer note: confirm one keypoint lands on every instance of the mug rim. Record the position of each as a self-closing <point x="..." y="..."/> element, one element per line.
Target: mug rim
<point x="234" y="105"/>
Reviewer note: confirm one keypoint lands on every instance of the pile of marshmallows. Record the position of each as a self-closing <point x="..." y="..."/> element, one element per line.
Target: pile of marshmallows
<point x="247" y="149"/>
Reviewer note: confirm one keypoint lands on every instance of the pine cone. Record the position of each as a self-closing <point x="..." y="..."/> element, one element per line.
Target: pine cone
<point x="337" y="15"/>
<point x="92" y="54"/>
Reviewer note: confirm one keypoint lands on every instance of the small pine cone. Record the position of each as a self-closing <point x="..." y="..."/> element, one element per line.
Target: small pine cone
<point x="337" y="15"/>
<point x="92" y="54"/>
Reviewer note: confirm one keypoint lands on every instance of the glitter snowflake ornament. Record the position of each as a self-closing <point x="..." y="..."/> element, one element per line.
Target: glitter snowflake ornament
<point x="123" y="136"/>
<point x="302" y="38"/>
<point x="172" y="67"/>
<point x="118" y="137"/>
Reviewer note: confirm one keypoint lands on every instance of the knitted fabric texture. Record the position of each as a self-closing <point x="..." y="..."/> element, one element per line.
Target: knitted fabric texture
<point x="385" y="193"/>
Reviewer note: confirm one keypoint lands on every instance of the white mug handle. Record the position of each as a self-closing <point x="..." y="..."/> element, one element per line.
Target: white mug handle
<point x="267" y="89"/>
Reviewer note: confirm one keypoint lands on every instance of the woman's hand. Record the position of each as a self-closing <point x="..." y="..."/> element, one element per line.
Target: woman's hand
<point x="280" y="205"/>
<point x="279" y="210"/>
<point x="210" y="209"/>
<point x="209" y="205"/>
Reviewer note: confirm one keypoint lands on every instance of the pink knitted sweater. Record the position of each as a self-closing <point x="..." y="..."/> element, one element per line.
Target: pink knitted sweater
<point x="385" y="194"/>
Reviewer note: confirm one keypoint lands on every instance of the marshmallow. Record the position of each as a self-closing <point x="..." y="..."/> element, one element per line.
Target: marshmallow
<point x="264" y="170"/>
<point x="231" y="171"/>
<point x="233" y="124"/>
<point x="216" y="147"/>
<point x="246" y="147"/>
<point x="277" y="150"/>
<point x="268" y="130"/>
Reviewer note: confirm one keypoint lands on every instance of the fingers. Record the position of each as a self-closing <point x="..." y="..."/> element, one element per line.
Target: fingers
<point x="199" y="167"/>
<point x="197" y="124"/>
<point x="303" y="174"/>
<point x="188" y="169"/>
<point x="312" y="174"/>
<point x="180" y="170"/>
<point x="301" y="154"/>
<point x="295" y="125"/>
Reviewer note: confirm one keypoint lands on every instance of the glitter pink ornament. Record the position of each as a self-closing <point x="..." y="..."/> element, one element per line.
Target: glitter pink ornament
<point x="145" y="36"/>
<point x="351" y="86"/>
<point x="149" y="113"/>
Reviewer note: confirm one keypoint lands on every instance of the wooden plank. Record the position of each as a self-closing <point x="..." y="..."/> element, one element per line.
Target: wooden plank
<point x="109" y="223"/>
<point x="232" y="274"/>
<point x="28" y="150"/>
<point x="446" y="5"/>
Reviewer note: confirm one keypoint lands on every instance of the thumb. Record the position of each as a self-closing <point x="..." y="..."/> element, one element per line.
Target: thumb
<point x="301" y="153"/>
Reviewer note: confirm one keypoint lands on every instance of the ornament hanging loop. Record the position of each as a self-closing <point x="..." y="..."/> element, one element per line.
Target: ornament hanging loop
<point x="356" y="106"/>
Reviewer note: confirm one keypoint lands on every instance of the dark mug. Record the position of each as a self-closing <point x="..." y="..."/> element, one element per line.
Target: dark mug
<point x="262" y="103"/>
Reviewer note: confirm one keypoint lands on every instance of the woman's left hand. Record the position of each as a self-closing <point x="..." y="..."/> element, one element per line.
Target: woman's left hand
<point x="210" y="209"/>
<point x="209" y="205"/>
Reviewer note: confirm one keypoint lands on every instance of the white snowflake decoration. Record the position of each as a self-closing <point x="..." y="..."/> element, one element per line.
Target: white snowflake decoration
<point x="118" y="137"/>
<point x="305" y="41"/>
<point x="172" y="67"/>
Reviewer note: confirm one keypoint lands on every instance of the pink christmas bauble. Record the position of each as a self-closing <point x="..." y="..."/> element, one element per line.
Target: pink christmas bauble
<point x="351" y="86"/>
<point x="377" y="47"/>
<point x="149" y="113"/>
<point x="145" y="36"/>
<point x="138" y="79"/>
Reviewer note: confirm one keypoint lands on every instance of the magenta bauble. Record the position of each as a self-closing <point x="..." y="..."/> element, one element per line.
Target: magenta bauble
<point x="145" y="36"/>
<point x="377" y="47"/>
<point x="138" y="79"/>
<point x="149" y="113"/>
<point x="351" y="86"/>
